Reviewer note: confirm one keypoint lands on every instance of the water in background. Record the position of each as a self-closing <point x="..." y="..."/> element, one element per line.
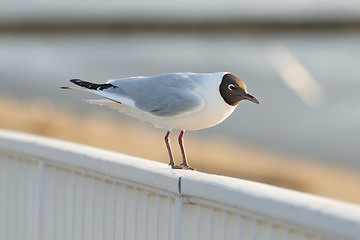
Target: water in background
<point x="307" y="82"/>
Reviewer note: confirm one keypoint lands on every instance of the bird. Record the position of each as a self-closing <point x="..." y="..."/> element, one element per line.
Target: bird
<point x="182" y="101"/>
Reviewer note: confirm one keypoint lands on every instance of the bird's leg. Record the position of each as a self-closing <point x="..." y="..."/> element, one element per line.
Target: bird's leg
<point x="167" y="141"/>
<point x="185" y="164"/>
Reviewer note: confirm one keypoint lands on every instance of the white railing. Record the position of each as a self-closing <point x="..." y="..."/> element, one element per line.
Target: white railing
<point x="52" y="190"/>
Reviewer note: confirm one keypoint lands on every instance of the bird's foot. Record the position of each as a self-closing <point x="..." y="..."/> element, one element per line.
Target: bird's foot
<point x="182" y="166"/>
<point x="187" y="167"/>
<point x="176" y="166"/>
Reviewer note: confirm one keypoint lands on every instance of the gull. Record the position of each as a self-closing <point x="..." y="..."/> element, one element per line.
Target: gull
<point x="183" y="101"/>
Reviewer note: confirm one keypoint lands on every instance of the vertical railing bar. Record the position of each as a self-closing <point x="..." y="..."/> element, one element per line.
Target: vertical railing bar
<point x="9" y="202"/>
<point x="73" y="205"/>
<point x="136" y="213"/>
<point x="17" y="200"/>
<point x="254" y="232"/>
<point x="198" y="221"/>
<point x="114" y="210"/>
<point x="40" y="222"/>
<point x="170" y="217"/>
<point x="35" y="200"/>
<point x="54" y="202"/>
<point x="3" y="193"/>
<point x="26" y="198"/>
<point x="64" y="205"/>
<point x="157" y="216"/>
<point x="225" y="224"/>
<point x="146" y="214"/>
<point x="211" y="223"/>
<point x="124" y="211"/>
<point x="93" y="207"/>
<point x="6" y="200"/>
<point x="82" y="231"/>
<point x="178" y="218"/>
<point x="104" y="211"/>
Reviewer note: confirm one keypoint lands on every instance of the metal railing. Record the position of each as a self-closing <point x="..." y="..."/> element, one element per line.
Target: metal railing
<point x="52" y="189"/>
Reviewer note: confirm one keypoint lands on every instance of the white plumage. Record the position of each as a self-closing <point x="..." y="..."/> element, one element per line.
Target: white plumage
<point x="181" y="101"/>
<point x="184" y="101"/>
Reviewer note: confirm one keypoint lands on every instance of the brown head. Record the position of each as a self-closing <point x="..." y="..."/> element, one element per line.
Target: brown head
<point x="233" y="90"/>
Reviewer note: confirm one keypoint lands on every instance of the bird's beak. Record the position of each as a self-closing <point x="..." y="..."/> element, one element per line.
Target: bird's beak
<point x="251" y="98"/>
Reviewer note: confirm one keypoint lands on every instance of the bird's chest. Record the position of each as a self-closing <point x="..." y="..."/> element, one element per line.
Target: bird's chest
<point x="214" y="112"/>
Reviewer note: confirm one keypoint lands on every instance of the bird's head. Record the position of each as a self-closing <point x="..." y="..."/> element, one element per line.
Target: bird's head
<point x="233" y="90"/>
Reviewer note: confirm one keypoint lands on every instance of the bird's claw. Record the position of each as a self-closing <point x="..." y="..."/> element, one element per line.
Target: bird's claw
<point x="187" y="167"/>
<point x="176" y="166"/>
<point x="182" y="166"/>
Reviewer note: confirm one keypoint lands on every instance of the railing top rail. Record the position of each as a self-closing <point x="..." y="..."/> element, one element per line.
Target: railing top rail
<point x="303" y="209"/>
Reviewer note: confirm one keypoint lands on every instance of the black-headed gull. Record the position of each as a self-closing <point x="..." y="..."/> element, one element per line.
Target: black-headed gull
<point x="184" y="101"/>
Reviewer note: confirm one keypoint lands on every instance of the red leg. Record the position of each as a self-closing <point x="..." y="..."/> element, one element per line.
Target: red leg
<point x="181" y="143"/>
<point x="185" y="164"/>
<point x="167" y="141"/>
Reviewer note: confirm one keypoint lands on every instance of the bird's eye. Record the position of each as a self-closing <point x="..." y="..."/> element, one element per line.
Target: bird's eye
<point x="231" y="87"/>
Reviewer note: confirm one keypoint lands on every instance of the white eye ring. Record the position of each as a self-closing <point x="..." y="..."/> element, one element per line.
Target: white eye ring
<point x="231" y="87"/>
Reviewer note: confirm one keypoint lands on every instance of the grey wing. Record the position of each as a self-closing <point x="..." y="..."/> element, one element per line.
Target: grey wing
<point x="173" y="102"/>
<point x="166" y="95"/>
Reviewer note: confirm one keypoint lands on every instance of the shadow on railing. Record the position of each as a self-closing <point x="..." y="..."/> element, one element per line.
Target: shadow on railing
<point x="52" y="189"/>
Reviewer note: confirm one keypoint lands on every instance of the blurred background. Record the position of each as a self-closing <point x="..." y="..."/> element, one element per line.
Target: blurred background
<point x="299" y="58"/>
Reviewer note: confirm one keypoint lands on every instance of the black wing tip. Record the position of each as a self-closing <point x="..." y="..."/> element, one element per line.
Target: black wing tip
<point x="83" y="83"/>
<point x="65" y="87"/>
<point x="76" y="80"/>
<point x="92" y="86"/>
